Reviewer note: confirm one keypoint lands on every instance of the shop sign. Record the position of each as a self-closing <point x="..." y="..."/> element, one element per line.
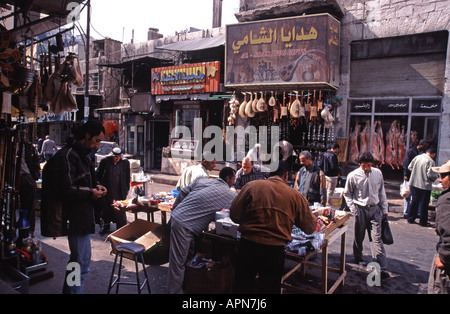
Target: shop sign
<point x="188" y="78"/>
<point x="361" y="106"/>
<point x="392" y="105"/>
<point x="426" y="105"/>
<point x="298" y="50"/>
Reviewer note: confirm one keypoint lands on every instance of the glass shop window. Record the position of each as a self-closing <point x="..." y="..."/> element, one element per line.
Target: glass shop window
<point x="424" y="128"/>
<point x="185" y="117"/>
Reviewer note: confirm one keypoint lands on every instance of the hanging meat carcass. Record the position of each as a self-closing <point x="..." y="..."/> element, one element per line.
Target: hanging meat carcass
<point x="401" y="146"/>
<point x="382" y="146"/>
<point x="391" y="146"/>
<point x="376" y="153"/>
<point x="364" y="138"/>
<point x="57" y="89"/>
<point x="353" y="145"/>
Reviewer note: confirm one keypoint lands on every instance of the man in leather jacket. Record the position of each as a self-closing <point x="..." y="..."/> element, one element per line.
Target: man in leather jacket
<point x="30" y="171"/>
<point x="69" y="177"/>
<point x="310" y="180"/>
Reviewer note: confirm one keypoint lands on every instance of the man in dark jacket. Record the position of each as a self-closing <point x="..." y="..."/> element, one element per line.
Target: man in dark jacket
<point x="310" y="180"/>
<point x="439" y="280"/>
<point x="69" y="177"/>
<point x="30" y="171"/>
<point x="114" y="173"/>
<point x="330" y="167"/>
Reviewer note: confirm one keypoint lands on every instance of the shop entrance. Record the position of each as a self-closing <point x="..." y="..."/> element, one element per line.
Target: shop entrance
<point x="158" y="137"/>
<point x="388" y="127"/>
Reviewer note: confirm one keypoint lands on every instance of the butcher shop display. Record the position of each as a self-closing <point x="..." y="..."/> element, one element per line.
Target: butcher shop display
<point x="386" y="140"/>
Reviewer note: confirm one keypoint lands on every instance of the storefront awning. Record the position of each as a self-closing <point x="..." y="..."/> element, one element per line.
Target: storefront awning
<point x="42" y="16"/>
<point x="195" y="44"/>
<point x="160" y="98"/>
<point x="155" y="60"/>
<point x="113" y="109"/>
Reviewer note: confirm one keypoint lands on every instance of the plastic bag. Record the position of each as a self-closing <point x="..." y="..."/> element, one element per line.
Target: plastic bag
<point x="386" y="234"/>
<point x="404" y="190"/>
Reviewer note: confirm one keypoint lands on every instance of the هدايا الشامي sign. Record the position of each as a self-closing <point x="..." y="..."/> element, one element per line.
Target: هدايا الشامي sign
<point x="297" y="50"/>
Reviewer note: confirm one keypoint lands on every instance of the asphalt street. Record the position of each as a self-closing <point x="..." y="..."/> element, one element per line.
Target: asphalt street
<point x="409" y="261"/>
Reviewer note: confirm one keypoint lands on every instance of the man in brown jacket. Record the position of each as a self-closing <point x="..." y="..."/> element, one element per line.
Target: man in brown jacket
<point x="266" y="211"/>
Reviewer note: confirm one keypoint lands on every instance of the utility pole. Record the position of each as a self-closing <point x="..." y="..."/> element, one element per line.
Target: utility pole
<point x="87" y="49"/>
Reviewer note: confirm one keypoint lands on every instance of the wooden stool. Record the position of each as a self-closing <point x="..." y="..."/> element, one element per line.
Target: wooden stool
<point x="137" y="251"/>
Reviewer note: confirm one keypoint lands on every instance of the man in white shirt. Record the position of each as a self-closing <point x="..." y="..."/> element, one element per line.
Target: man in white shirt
<point x="192" y="173"/>
<point x="48" y="148"/>
<point x="421" y="184"/>
<point x="366" y="197"/>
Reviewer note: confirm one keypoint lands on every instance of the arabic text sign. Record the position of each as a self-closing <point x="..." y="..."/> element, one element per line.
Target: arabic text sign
<point x="291" y="50"/>
<point x="188" y="78"/>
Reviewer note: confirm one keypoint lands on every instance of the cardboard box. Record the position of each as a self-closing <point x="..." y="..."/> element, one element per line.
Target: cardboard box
<point x="209" y="281"/>
<point x="336" y="198"/>
<point x="226" y="226"/>
<point x="139" y="231"/>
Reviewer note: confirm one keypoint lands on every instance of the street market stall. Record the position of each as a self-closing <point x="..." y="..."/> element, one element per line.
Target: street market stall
<point x="331" y="225"/>
<point x="335" y="229"/>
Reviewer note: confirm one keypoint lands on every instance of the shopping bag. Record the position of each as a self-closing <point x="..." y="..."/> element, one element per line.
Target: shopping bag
<point x="404" y="189"/>
<point x="386" y="234"/>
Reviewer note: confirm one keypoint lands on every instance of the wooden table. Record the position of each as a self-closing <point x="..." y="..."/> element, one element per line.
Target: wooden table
<point x="150" y="210"/>
<point x="336" y="231"/>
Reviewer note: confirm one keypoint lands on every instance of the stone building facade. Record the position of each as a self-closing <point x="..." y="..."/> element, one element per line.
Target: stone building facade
<point x="403" y="43"/>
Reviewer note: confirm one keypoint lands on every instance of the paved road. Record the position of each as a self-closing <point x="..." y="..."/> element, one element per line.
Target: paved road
<point x="409" y="261"/>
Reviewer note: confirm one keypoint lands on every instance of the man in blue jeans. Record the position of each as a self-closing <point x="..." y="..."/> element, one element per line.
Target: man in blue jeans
<point x="69" y="180"/>
<point x="421" y="184"/>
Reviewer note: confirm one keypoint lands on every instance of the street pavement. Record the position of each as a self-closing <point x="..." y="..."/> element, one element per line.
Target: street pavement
<point x="409" y="260"/>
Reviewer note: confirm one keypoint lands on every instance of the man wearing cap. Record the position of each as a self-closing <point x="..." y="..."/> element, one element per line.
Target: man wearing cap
<point x="114" y="173"/>
<point x="255" y="154"/>
<point x="439" y="280"/>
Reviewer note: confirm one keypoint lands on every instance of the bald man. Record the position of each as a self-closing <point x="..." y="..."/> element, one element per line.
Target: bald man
<point x="249" y="172"/>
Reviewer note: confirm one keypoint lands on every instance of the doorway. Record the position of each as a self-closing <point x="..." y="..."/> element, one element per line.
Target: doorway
<point x="158" y="137"/>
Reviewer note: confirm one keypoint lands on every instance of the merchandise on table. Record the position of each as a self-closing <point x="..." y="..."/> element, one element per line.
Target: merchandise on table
<point x="302" y="243"/>
<point x="163" y="198"/>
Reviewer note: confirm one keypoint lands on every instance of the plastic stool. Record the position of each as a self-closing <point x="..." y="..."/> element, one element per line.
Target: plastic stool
<point x="136" y="250"/>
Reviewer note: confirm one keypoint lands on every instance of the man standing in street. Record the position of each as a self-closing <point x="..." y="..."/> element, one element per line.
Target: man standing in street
<point x="248" y="172"/>
<point x="266" y="211"/>
<point x="421" y="184"/>
<point x="192" y="173"/>
<point x="69" y="180"/>
<point x="48" y="148"/>
<point x="113" y="172"/>
<point x="409" y="156"/>
<point x="330" y="167"/>
<point x="310" y="180"/>
<point x="30" y="171"/>
<point x="439" y="280"/>
<point x="192" y="212"/>
<point x="366" y="197"/>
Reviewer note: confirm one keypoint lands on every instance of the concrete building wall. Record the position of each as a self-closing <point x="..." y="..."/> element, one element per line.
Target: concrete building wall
<point x="364" y="20"/>
<point x="388" y="18"/>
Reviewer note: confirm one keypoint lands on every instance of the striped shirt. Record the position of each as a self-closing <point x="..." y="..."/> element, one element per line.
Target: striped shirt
<point x="365" y="189"/>
<point x="197" y="204"/>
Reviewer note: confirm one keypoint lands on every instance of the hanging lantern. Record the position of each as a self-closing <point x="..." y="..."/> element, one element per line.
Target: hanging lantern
<point x="110" y="127"/>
